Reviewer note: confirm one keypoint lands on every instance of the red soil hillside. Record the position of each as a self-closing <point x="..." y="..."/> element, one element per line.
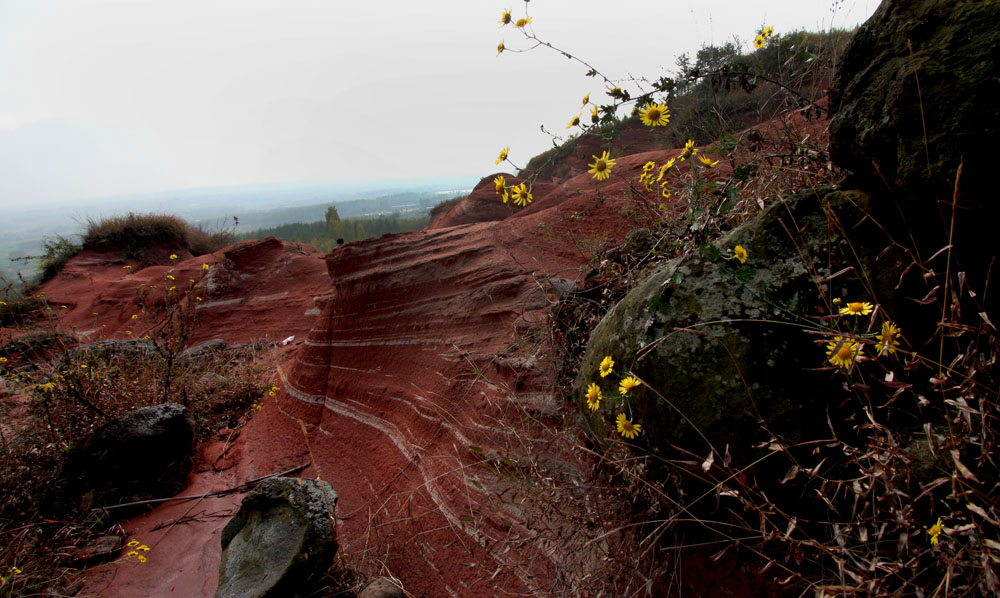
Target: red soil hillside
<point x="424" y="392"/>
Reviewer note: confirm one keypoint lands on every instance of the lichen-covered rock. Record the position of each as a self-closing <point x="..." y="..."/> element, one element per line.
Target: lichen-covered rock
<point x="916" y="95"/>
<point x="723" y="343"/>
<point x="145" y="453"/>
<point x="929" y="63"/>
<point x="281" y="541"/>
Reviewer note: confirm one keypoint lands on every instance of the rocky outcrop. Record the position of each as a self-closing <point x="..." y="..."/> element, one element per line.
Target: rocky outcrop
<point x="281" y="541"/>
<point x="426" y="388"/>
<point x="277" y="285"/>
<point x="484" y="205"/>
<point x="145" y="453"/>
<point x="706" y="333"/>
<point x="913" y="99"/>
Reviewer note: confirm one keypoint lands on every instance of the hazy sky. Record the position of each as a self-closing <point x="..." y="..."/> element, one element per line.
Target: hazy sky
<point x="102" y="97"/>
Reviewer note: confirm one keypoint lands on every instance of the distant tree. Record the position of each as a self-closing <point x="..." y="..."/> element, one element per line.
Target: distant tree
<point x="333" y="224"/>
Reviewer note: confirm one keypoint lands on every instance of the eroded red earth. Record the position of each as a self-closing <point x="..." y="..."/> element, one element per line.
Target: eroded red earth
<point x="421" y="385"/>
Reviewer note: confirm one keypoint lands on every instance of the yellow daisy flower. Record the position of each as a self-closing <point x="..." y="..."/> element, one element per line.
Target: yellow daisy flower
<point x="503" y="154"/>
<point x="522" y="22"/>
<point x="593" y="397"/>
<point x="500" y="183"/>
<point x="500" y="49"/>
<point x="575" y="121"/>
<point x="593" y="114"/>
<point x="505" y="17"/>
<point x="654" y="115"/>
<point x="204" y="266"/>
<point x="141" y="558"/>
<point x="740" y="253"/>
<point x="935" y="532"/>
<point x="708" y="161"/>
<point x="649" y="166"/>
<point x="663" y="191"/>
<point x="626" y="428"/>
<point x="856" y="308"/>
<point x="173" y="256"/>
<point x="689" y="150"/>
<point x="842" y="352"/>
<point x="586" y="100"/>
<point x="606" y="364"/>
<point x="628" y="384"/>
<point x="666" y="167"/>
<point x="888" y="340"/>
<point x="522" y="196"/>
<point x="758" y="42"/>
<point x="601" y="168"/>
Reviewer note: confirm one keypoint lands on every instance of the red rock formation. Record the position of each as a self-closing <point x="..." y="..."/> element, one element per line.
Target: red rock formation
<point x="423" y="392"/>
<point x="254" y="290"/>
<point x="482" y="204"/>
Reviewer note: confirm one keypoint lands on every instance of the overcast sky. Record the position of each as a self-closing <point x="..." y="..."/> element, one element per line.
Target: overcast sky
<point x="105" y="97"/>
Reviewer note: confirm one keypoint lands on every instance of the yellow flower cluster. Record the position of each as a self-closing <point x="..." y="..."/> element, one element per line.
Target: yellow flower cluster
<point x="521" y="193"/>
<point x="761" y="39"/>
<point x="137" y="549"/>
<point x="844" y="351"/>
<point x="626" y="427"/>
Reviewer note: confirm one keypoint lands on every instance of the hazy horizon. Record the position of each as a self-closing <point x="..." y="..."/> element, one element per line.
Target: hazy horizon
<point x="111" y="97"/>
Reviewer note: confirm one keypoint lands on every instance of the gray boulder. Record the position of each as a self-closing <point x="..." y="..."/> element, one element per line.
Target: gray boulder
<point x="281" y="542"/>
<point x="203" y="348"/>
<point x="144" y="453"/>
<point x="914" y="96"/>
<point x="381" y="587"/>
<point x="724" y="342"/>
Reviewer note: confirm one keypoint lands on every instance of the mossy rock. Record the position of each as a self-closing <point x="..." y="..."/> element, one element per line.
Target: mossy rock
<point x="915" y="98"/>
<point x="726" y="344"/>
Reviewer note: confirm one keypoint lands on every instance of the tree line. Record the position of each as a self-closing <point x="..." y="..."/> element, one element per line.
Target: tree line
<point x="327" y="234"/>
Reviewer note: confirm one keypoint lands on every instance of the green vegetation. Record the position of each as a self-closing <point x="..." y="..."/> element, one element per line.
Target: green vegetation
<point x="326" y="234"/>
<point x="137" y="234"/>
<point x="718" y="93"/>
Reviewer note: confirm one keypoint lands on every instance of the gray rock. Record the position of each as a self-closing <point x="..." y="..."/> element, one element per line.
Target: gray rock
<point x="381" y="587"/>
<point x="914" y="67"/>
<point x="100" y="550"/>
<point x="203" y="348"/>
<point x="102" y="350"/>
<point x="879" y="114"/>
<point x="722" y="342"/>
<point x="145" y="453"/>
<point x="281" y="542"/>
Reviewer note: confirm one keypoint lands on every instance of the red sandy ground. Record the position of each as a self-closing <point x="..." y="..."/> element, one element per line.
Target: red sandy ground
<point x="419" y="362"/>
